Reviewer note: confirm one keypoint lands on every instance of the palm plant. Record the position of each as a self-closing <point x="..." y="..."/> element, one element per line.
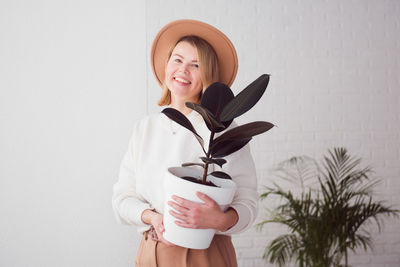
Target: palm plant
<point x="324" y="223"/>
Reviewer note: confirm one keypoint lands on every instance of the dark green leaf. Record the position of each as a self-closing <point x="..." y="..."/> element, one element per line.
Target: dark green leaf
<point x="212" y="123"/>
<point x="246" y="99"/>
<point x="227" y="147"/>
<point x="215" y="98"/>
<point x="222" y="175"/>
<point x="192" y="164"/>
<point x="181" y="119"/>
<point x="219" y="162"/>
<point x="243" y="132"/>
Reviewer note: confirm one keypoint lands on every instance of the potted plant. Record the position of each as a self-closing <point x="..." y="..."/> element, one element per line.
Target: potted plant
<point x="218" y="107"/>
<point x="328" y="217"/>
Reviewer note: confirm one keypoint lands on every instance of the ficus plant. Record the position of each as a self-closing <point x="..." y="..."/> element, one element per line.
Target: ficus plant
<point x="218" y="107"/>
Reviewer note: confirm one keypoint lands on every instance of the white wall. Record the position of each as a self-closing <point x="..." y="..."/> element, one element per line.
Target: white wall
<point x="72" y="82"/>
<point x="74" y="76"/>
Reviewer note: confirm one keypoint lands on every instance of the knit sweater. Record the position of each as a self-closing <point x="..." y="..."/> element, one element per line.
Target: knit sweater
<point x="158" y="143"/>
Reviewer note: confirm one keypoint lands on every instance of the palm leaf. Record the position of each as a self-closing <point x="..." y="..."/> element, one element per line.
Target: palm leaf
<point x="323" y="225"/>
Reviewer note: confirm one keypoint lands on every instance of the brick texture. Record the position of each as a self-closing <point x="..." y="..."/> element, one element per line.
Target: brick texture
<point x="335" y="82"/>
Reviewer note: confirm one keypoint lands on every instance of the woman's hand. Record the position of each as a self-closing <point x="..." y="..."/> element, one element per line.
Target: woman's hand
<point x="202" y="215"/>
<point x="156" y="220"/>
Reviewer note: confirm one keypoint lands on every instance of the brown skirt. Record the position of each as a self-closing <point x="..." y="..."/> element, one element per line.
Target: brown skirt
<point x="221" y="253"/>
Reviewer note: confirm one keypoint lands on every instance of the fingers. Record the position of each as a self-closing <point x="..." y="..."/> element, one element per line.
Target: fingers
<point x="157" y="223"/>
<point x="182" y="214"/>
<point x="160" y="229"/>
<point x="207" y="200"/>
<point x="156" y="232"/>
<point x="184" y="221"/>
<point x="161" y="238"/>
<point x="184" y="202"/>
<point x="193" y="214"/>
<point x="189" y="204"/>
<point x="178" y="207"/>
<point x="187" y="225"/>
<point x="179" y="216"/>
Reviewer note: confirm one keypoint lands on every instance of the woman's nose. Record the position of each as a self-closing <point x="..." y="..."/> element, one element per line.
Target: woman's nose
<point x="184" y="68"/>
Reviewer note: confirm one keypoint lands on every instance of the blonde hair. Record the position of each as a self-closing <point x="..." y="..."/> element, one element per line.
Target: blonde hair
<point x="208" y="66"/>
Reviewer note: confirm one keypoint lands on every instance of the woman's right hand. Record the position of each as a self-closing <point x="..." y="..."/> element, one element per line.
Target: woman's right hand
<point x="156" y="220"/>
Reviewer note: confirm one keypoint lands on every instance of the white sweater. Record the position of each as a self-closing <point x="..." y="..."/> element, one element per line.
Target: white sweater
<point x="158" y="143"/>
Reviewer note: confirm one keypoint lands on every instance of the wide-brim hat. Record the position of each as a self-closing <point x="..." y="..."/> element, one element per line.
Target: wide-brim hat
<point x="169" y="35"/>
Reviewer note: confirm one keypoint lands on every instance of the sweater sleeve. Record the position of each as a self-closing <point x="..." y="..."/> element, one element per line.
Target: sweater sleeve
<point x="127" y="204"/>
<point x="240" y="166"/>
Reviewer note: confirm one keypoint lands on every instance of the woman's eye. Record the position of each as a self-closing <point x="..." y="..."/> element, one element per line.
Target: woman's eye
<point x="196" y="65"/>
<point x="177" y="60"/>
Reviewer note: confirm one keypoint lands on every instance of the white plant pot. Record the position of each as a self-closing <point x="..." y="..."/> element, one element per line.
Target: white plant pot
<point x="174" y="185"/>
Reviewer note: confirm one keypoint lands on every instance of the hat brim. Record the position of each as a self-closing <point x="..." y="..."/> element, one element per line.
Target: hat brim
<point x="173" y="31"/>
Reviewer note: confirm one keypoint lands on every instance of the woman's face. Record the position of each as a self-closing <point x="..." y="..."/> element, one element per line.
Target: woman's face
<point x="182" y="74"/>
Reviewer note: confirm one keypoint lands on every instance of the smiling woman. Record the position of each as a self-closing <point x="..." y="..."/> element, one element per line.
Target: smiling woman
<point x="182" y="76"/>
<point x="184" y="62"/>
<point x="187" y="56"/>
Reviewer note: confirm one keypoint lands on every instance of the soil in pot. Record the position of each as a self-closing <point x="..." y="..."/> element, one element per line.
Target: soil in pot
<point x="197" y="181"/>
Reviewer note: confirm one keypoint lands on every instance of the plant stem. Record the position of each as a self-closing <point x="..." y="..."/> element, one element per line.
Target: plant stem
<point x="205" y="173"/>
<point x="208" y="157"/>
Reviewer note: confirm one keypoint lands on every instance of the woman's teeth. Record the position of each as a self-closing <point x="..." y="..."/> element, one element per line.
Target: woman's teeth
<point x="182" y="80"/>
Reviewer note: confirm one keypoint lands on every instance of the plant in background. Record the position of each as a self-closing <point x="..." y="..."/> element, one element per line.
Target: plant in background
<point x="219" y="107"/>
<point x="324" y="223"/>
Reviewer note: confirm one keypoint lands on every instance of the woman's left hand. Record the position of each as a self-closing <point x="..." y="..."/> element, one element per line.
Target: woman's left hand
<point x="198" y="215"/>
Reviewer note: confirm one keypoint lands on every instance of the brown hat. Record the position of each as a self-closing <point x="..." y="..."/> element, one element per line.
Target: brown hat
<point x="168" y="36"/>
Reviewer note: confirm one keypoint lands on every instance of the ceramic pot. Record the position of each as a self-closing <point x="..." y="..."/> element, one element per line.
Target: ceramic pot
<point x="174" y="185"/>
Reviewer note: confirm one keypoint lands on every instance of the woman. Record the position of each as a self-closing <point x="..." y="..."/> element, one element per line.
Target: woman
<point x="187" y="56"/>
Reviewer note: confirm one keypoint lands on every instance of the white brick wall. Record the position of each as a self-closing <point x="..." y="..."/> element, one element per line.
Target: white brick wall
<point x="335" y="82"/>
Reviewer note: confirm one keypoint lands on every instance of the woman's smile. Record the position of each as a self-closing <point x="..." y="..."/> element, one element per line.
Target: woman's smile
<point x="182" y="81"/>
